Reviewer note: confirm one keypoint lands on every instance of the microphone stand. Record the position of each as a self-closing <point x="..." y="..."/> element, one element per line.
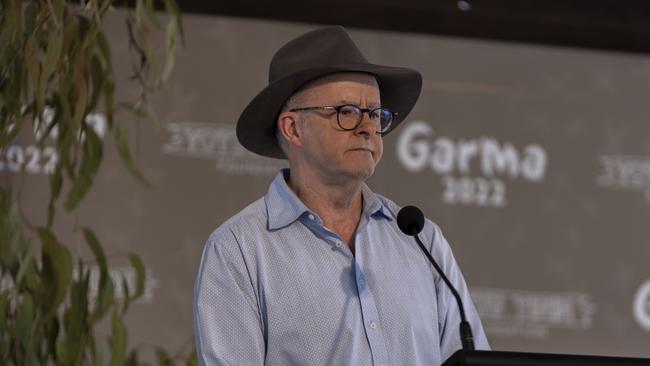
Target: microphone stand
<point x="466" y="337"/>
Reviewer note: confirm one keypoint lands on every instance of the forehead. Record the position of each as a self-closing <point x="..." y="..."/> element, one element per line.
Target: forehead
<point x="355" y="84"/>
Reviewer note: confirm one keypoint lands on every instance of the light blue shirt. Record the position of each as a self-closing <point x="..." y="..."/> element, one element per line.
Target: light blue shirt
<point x="276" y="287"/>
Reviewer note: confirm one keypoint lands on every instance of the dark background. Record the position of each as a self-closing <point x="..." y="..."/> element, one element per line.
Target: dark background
<point x="611" y="25"/>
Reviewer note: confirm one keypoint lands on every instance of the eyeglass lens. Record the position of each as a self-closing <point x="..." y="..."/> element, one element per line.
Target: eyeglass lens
<point x="350" y="116"/>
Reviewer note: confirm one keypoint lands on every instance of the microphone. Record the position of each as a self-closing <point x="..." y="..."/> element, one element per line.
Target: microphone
<point x="411" y="221"/>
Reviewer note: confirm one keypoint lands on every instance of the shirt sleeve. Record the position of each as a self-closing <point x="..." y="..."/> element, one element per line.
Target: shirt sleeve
<point x="448" y="312"/>
<point x="227" y="322"/>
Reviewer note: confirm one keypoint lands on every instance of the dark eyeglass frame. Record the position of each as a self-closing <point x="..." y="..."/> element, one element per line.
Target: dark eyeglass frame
<point x="338" y="108"/>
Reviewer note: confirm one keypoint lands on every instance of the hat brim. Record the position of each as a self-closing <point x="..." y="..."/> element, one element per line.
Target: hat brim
<point x="256" y="128"/>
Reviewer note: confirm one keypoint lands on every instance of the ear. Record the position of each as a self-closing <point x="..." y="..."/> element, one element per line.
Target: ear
<point x="289" y="128"/>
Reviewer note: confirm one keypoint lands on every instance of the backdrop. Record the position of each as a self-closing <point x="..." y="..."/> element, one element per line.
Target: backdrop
<point x="535" y="161"/>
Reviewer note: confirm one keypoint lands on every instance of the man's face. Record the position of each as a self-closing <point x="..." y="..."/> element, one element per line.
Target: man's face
<point x="332" y="153"/>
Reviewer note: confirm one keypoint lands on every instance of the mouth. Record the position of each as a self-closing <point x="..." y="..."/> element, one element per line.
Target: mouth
<point x="361" y="149"/>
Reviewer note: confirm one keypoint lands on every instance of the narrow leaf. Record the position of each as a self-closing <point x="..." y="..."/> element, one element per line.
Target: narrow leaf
<point x="96" y="248"/>
<point x="151" y="14"/>
<point x="120" y="136"/>
<point x="75" y="317"/>
<point x="105" y="284"/>
<point x="32" y="62"/>
<point x="27" y="261"/>
<point x="25" y="313"/>
<point x="127" y="295"/>
<point x="91" y="160"/>
<point x="137" y="264"/>
<point x="174" y="12"/>
<point x="52" y="328"/>
<point x="172" y="32"/>
<point x="57" y="267"/>
<point x="81" y="93"/>
<point x="118" y="340"/>
<point x="4" y="306"/>
<point x="52" y="56"/>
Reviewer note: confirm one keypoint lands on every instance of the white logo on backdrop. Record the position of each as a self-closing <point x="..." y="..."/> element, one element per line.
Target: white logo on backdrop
<point x="641" y="306"/>
<point x="626" y="173"/>
<point x="218" y="142"/>
<point x="42" y="159"/>
<point x="529" y="314"/>
<point x="418" y="149"/>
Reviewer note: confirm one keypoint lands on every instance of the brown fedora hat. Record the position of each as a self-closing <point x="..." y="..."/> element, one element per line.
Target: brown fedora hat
<point x="313" y="55"/>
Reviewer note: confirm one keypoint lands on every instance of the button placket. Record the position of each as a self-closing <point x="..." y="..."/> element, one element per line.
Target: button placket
<point x="369" y="310"/>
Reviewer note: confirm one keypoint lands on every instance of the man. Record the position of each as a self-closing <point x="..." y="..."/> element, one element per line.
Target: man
<point x="317" y="272"/>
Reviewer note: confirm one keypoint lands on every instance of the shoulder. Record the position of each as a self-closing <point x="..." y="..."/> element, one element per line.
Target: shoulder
<point x="253" y="218"/>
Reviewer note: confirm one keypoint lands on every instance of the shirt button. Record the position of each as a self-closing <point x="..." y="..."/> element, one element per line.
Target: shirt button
<point x="311" y="217"/>
<point x="361" y="281"/>
<point x="373" y="325"/>
<point x="338" y="244"/>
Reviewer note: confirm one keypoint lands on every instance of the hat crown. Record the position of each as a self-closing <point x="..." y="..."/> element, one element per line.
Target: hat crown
<point x="316" y="49"/>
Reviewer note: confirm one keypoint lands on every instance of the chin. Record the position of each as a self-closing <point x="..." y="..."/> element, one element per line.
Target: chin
<point x="362" y="173"/>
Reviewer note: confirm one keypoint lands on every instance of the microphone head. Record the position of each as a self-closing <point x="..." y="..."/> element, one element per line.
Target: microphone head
<point x="410" y="220"/>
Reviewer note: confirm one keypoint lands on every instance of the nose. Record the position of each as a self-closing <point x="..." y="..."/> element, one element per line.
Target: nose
<point x="367" y="127"/>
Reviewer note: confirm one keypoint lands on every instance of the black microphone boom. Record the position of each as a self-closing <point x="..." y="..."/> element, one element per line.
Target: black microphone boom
<point x="411" y="221"/>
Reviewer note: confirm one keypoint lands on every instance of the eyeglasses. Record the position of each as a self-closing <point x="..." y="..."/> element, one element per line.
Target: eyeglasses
<point x="349" y="116"/>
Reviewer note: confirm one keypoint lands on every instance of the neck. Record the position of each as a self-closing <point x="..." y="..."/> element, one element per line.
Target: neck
<point x="338" y="203"/>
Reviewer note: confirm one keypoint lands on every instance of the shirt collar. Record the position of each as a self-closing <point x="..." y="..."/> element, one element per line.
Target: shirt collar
<point x="373" y="205"/>
<point x="283" y="207"/>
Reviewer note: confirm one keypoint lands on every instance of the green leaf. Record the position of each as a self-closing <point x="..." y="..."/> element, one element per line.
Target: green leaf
<point x="57" y="272"/>
<point x="192" y="360"/>
<point x="58" y="10"/>
<point x="118" y="340"/>
<point x="172" y="32"/>
<point x="105" y="284"/>
<point x="27" y="262"/>
<point x="51" y="335"/>
<point x="120" y="136"/>
<point x="31" y="13"/>
<point x="91" y="160"/>
<point x="75" y="317"/>
<point x="32" y="62"/>
<point x="132" y="359"/>
<point x="8" y="234"/>
<point x="137" y="264"/>
<point x="5" y="296"/>
<point x="52" y="56"/>
<point x="127" y="296"/>
<point x="25" y="314"/>
<point x="80" y="88"/>
<point x="105" y="294"/>
<point x="104" y="53"/>
<point x="100" y="350"/>
<point x="109" y="101"/>
<point x="96" y="248"/>
<point x="97" y="75"/>
<point x="151" y="16"/>
<point x="163" y="358"/>
<point x="174" y="12"/>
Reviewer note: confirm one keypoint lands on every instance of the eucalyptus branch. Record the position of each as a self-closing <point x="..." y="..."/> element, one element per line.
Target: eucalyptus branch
<point x="55" y="57"/>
